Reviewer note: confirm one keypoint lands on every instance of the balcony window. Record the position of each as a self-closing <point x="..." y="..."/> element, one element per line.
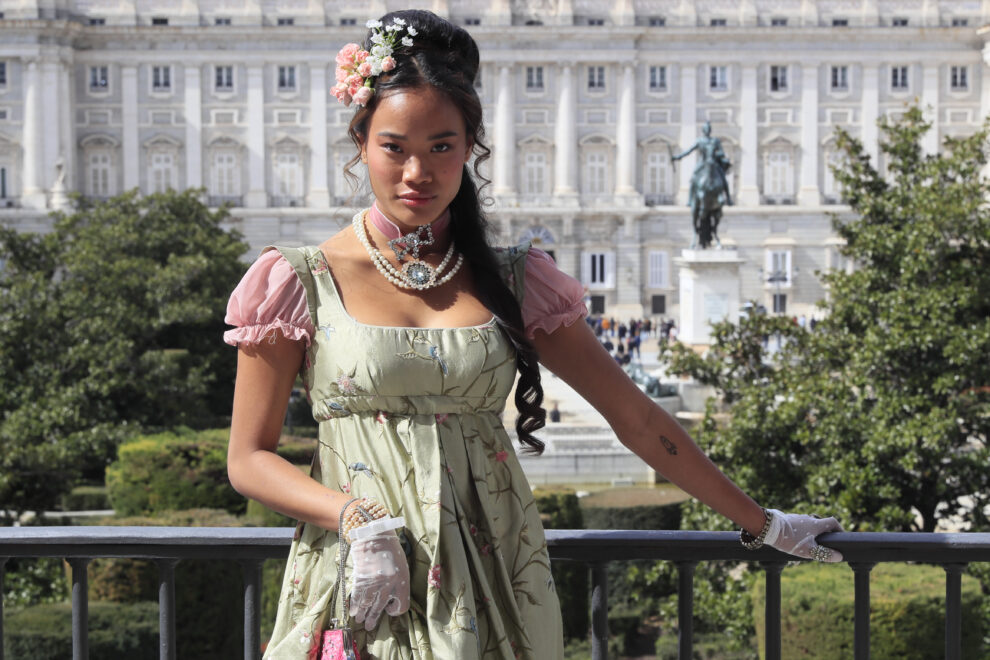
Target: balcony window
<point x="162" y="173"/>
<point x="718" y="22"/>
<point x="840" y="78"/>
<point x="779" y="179"/>
<point x="778" y="22"/>
<point x="98" y="180"/>
<point x="224" y="79"/>
<point x="596" y="78"/>
<point x="657" y="21"/>
<point x="285" y="21"/>
<point x="658" y="79"/>
<point x="899" y="78"/>
<point x="657" y="180"/>
<point x="596" y="21"/>
<point x="718" y="78"/>
<point x="840" y="22"/>
<point x="535" y="178"/>
<point x="534" y="78"/>
<point x="161" y="78"/>
<point x="778" y="78"/>
<point x="960" y="22"/>
<point x="959" y="78"/>
<point x="97" y="21"/>
<point x="598" y="269"/>
<point x="221" y="21"/>
<point x="99" y="78"/>
<point x="472" y="21"/>
<point x="160" y="21"/>
<point x="658" y="276"/>
<point x="287" y="79"/>
<point x="596" y="173"/>
<point x="3" y="74"/>
<point x="899" y="22"/>
<point x="348" y="21"/>
<point x="780" y="303"/>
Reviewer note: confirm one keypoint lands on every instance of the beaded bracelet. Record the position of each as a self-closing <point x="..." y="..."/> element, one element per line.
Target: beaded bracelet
<point x="364" y="511"/>
<point x="751" y="542"/>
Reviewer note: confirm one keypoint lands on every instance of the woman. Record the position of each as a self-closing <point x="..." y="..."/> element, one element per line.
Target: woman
<point x="409" y="331"/>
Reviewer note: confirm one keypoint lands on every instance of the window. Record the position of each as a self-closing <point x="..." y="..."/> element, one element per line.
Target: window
<point x="899" y="77"/>
<point x="535" y="174"/>
<point x="832" y="190"/>
<point x="221" y="21"/>
<point x="658" y="79"/>
<point x="223" y="79"/>
<point x="287" y="79"/>
<point x="596" y="78"/>
<point x="534" y="78"/>
<point x="960" y="22"/>
<point x="472" y="21"/>
<point x="778" y="268"/>
<point x="99" y="78"/>
<point x="98" y="181"/>
<point x="3" y="182"/>
<point x="348" y="21"/>
<point x="840" y="22"/>
<point x="658" y="304"/>
<point x="778" y="78"/>
<point x="596" y="172"/>
<point x="657" y="178"/>
<point x="778" y="176"/>
<point x="162" y="174"/>
<point x="159" y="20"/>
<point x="780" y="303"/>
<point x="718" y="22"/>
<point x="161" y="78"/>
<point x="97" y="21"/>
<point x="285" y="21"/>
<point x="596" y="21"/>
<point x="840" y="78"/>
<point x="959" y="78"/>
<point x="226" y="180"/>
<point x="718" y="79"/>
<point x="657" y="21"/>
<point x="778" y="22"/>
<point x="659" y="270"/>
<point x="598" y="269"/>
<point x="898" y="21"/>
<point x="3" y="74"/>
<point x="288" y="175"/>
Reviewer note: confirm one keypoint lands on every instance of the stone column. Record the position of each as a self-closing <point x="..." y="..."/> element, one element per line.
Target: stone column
<point x="67" y="113"/>
<point x="194" y="127"/>
<point x="131" y="145"/>
<point x="749" y="192"/>
<point x="871" y="111"/>
<point x="929" y="103"/>
<point x="256" y="196"/>
<point x="625" y="166"/>
<point x="808" y="195"/>
<point x="982" y="74"/>
<point x="689" y="126"/>
<point x="319" y="193"/>
<point x="32" y="195"/>
<point x="51" y="134"/>
<point x="505" y="134"/>
<point x="565" y="136"/>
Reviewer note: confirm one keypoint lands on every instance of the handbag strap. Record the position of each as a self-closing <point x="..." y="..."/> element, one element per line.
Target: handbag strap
<point x="343" y="549"/>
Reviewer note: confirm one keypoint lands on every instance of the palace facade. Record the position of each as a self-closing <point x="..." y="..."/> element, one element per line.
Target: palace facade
<point x="585" y="102"/>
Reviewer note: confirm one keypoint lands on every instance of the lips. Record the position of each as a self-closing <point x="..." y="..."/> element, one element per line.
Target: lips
<point x="416" y="199"/>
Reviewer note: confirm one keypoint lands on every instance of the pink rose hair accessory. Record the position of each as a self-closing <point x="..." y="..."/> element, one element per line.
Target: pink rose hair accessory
<point x="357" y="68"/>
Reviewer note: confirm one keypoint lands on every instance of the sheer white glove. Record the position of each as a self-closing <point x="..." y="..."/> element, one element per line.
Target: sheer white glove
<point x="380" y="579"/>
<point x="795" y="534"/>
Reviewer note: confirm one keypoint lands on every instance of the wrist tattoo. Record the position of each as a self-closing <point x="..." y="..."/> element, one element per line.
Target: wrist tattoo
<point x="668" y="445"/>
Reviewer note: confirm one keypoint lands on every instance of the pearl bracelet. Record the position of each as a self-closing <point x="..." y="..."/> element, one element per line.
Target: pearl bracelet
<point x="362" y="512"/>
<point x="751" y="542"/>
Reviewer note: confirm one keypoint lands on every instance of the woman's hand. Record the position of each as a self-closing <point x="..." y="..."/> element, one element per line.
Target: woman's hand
<point x="380" y="580"/>
<point x="795" y="534"/>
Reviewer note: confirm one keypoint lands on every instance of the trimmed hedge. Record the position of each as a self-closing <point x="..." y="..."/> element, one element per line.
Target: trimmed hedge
<point x="561" y="510"/>
<point x="86" y="498"/>
<point x="116" y="630"/>
<point x="907" y="604"/>
<point x="181" y="469"/>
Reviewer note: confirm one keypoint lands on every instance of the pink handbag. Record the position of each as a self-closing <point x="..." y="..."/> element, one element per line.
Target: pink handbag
<point x="337" y="642"/>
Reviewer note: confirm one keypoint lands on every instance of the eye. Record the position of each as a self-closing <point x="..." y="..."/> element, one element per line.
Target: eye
<point x="441" y="148"/>
<point x="391" y="147"/>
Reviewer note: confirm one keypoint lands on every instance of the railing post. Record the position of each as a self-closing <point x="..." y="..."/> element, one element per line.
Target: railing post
<point x="773" y="569"/>
<point x="953" y="611"/>
<point x="861" y="571"/>
<point x="685" y="609"/>
<point x="166" y="609"/>
<point x="599" y="610"/>
<point x="80" y="608"/>
<point x="3" y="568"/>
<point x="251" y="568"/>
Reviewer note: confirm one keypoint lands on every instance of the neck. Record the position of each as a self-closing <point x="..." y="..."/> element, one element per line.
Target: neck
<point x="390" y="230"/>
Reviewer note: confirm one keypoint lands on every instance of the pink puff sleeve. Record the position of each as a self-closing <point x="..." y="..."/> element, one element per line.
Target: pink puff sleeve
<point x="269" y="296"/>
<point x="551" y="298"/>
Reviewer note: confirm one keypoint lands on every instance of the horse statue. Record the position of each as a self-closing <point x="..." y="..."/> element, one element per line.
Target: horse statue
<point x="709" y="189"/>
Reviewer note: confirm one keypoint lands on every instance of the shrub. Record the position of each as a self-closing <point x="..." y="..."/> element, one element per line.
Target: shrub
<point x="181" y="469"/>
<point x="561" y="510"/>
<point x="907" y="604"/>
<point x="44" y="632"/>
<point x="86" y="498"/>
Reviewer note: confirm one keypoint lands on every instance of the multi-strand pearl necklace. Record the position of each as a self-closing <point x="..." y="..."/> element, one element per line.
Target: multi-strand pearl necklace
<point x="416" y="274"/>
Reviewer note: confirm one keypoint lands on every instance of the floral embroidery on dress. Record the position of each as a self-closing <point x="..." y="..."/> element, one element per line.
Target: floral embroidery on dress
<point x="327" y="329"/>
<point x="501" y="456"/>
<point x="345" y="383"/>
<point x="319" y="267"/>
<point x="441" y="417"/>
<point x="361" y="468"/>
<point x="434" y="577"/>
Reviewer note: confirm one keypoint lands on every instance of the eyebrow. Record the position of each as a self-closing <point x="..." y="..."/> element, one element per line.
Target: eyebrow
<point x="438" y="136"/>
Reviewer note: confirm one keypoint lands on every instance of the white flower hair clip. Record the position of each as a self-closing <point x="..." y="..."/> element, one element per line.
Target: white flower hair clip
<point x="357" y="68"/>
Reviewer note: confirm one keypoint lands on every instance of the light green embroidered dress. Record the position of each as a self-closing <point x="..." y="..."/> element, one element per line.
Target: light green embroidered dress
<point x="412" y="417"/>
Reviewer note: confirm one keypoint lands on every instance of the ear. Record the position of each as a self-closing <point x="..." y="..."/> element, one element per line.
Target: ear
<point x="467" y="152"/>
<point x="364" y="149"/>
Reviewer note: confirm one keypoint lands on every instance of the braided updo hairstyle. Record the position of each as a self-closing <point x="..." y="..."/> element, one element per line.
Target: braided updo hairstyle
<point x="445" y="57"/>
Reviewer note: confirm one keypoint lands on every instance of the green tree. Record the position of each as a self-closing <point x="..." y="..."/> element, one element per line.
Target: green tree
<point x="109" y="324"/>
<point x="881" y="414"/>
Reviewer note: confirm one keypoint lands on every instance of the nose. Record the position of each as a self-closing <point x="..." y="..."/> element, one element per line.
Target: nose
<point x="415" y="171"/>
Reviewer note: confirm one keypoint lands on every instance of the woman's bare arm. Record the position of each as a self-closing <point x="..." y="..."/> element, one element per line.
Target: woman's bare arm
<point x="265" y="374"/>
<point x="575" y="355"/>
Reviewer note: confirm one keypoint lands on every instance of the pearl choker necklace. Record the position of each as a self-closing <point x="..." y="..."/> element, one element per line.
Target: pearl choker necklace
<point x="415" y="274"/>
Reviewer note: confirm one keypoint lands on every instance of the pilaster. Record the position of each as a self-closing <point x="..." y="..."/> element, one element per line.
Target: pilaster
<point x="565" y="139"/>
<point x="623" y="13"/>
<point x="505" y="138"/>
<point x="256" y="197"/>
<point x="929" y="103"/>
<point x="500" y="13"/>
<point x="749" y="192"/>
<point x="625" y="166"/>
<point x="870" y="112"/>
<point x="689" y="127"/>
<point x="67" y="112"/>
<point x="51" y="135"/>
<point x="809" y="195"/>
<point x="984" y="78"/>
<point x="319" y="193"/>
<point x="129" y="109"/>
<point x="194" y="127"/>
<point x="32" y="196"/>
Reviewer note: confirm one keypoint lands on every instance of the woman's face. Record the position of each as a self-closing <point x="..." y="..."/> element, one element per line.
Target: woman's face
<point x="415" y="150"/>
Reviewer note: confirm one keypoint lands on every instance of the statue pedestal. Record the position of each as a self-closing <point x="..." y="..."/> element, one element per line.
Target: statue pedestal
<point x="709" y="291"/>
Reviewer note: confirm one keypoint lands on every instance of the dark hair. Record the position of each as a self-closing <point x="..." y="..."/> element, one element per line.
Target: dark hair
<point x="445" y="57"/>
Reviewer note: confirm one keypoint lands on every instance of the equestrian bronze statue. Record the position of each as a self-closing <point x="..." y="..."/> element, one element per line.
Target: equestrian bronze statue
<point x="709" y="188"/>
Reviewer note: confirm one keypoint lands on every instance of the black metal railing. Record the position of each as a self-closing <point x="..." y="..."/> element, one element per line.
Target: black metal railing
<point x="251" y="546"/>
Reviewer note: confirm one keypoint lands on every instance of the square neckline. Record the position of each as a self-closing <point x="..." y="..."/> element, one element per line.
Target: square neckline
<point x="343" y="309"/>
